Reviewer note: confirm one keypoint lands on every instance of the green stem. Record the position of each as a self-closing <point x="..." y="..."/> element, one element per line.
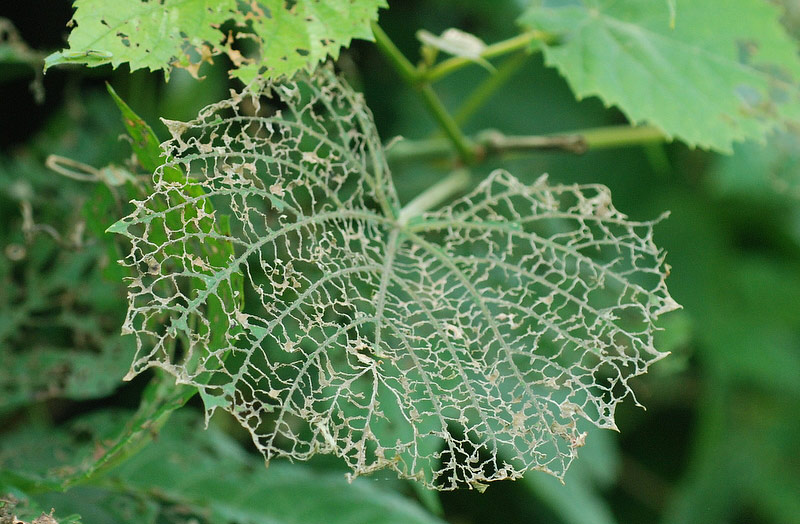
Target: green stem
<point x="503" y="47"/>
<point x="489" y="87"/>
<point x="429" y="97"/>
<point x="161" y="399"/>
<point x="405" y="149"/>
<point x="621" y="136"/>
<point x="456" y="182"/>
<point x="493" y="143"/>
<point x="405" y="68"/>
<point x="448" y="124"/>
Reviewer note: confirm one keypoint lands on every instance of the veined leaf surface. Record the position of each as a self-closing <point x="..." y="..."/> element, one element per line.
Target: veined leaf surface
<point x="186" y="33"/>
<point x="457" y="347"/>
<point x="724" y="71"/>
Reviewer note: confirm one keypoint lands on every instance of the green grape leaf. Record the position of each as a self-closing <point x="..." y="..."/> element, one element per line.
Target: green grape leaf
<point x="726" y="72"/>
<point x="456" y="347"/>
<point x="745" y="172"/>
<point x="187" y="33"/>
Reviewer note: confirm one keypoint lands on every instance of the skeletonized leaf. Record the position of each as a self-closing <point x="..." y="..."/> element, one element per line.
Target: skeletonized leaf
<point x="709" y="73"/>
<point x="457" y="347"/>
<point x="186" y="33"/>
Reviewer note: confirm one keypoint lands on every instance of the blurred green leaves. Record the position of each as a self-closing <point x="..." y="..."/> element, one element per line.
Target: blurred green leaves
<point x="737" y="271"/>
<point x="59" y="288"/>
<point x="760" y="170"/>
<point x="578" y="500"/>
<point x="191" y="472"/>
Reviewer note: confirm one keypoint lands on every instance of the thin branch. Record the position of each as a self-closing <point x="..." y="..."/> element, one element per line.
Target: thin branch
<point x="456" y="182"/>
<point x="503" y="47"/>
<point x="432" y="102"/>
<point x="496" y="143"/>
<point x="398" y="60"/>
<point x="489" y="87"/>
<point x="493" y="143"/>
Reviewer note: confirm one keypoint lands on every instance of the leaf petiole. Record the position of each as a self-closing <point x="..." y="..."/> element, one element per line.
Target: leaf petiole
<point x="456" y="182"/>
<point x="430" y="99"/>
<point x="521" y="41"/>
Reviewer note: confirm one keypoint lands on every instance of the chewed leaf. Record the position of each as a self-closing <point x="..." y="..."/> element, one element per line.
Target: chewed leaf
<point x="457" y="348"/>
<point x="284" y="36"/>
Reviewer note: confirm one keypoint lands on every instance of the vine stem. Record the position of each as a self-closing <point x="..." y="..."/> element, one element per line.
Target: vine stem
<point x="493" y="143"/>
<point x="463" y="145"/>
<point x="489" y="86"/>
<point x="456" y="182"/>
<point x="620" y="136"/>
<point x="432" y="102"/>
<point x="403" y="66"/>
<point x="520" y="41"/>
<point x="473" y="150"/>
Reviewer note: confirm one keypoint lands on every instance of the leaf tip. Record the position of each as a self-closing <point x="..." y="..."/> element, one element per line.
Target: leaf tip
<point x="119" y="227"/>
<point x="669" y="305"/>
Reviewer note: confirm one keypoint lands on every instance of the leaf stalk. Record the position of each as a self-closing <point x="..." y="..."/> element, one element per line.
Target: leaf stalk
<point x="429" y="97"/>
<point x="398" y="60"/>
<point x="489" y="86"/>
<point x="456" y="182"/>
<point x="521" y="41"/>
<point x="490" y="143"/>
<point x="464" y="146"/>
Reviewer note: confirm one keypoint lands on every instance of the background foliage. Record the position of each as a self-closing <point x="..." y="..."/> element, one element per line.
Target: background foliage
<point x="719" y="440"/>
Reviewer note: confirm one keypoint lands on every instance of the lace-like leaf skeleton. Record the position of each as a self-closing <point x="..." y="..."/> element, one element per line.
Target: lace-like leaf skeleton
<point x="459" y="347"/>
